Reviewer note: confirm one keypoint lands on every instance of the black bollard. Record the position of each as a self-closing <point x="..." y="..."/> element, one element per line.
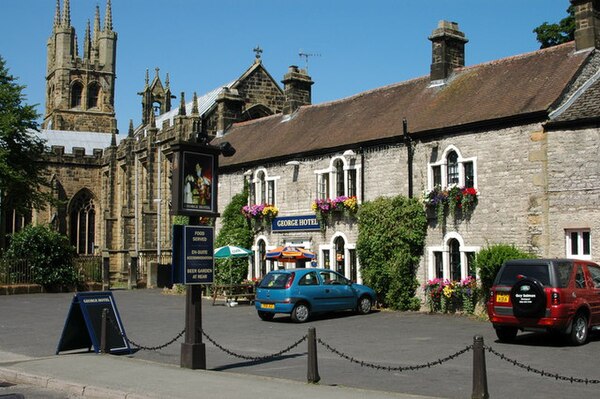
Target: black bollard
<point x="103" y="330"/>
<point x="313" y="368"/>
<point x="480" y="388"/>
<point x="105" y="271"/>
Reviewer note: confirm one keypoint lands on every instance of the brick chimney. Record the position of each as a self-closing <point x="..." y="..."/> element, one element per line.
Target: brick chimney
<point x="447" y="50"/>
<point x="297" y="89"/>
<point x="587" y="24"/>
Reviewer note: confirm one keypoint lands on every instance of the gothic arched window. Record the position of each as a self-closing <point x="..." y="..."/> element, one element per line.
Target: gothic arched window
<point x="83" y="221"/>
<point x="93" y="95"/>
<point x="76" y="92"/>
<point x="453" y="174"/>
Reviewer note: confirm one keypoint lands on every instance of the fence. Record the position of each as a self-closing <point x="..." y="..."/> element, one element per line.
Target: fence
<point x="15" y="272"/>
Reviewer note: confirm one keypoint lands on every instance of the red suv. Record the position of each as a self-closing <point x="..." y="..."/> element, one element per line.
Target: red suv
<point x="552" y="295"/>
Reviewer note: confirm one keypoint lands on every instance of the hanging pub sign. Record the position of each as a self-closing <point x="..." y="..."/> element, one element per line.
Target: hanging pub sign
<point x="195" y="180"/>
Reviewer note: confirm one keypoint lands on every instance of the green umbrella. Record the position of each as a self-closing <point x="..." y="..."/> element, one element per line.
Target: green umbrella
<point x="231" y="251"/>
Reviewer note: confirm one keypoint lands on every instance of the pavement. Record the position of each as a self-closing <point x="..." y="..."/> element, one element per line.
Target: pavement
<point x="92" y="375"/>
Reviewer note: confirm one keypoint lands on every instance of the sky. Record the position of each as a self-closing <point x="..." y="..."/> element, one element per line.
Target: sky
<point x="356" y="45"/>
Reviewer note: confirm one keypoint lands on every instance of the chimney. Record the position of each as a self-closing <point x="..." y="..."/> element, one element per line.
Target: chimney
<point x="447" y="50"/>
<point x="296" y="87"/>
<point x="587" y="24"/>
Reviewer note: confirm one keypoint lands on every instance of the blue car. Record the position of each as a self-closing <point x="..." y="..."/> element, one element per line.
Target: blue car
<point x="302" y="292"/>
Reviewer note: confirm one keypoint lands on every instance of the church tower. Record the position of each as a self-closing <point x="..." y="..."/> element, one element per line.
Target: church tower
<point x="80" y="90"/>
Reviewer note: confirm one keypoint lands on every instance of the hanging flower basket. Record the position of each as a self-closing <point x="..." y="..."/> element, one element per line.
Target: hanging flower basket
<point x="325" y="208"/>
<point x="260" y="214"/>
<point x="454" y="201"/>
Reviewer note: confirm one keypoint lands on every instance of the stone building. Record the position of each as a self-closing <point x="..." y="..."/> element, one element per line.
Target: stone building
<point x="521" y="132"/>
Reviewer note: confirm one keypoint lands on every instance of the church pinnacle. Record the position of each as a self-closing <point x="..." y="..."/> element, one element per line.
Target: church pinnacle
<point x="108" y="25"/>
<point x="66" y="17"/>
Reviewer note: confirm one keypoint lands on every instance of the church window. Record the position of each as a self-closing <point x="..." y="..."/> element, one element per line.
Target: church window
<point x="76" y="92"/>
<point x="83" y="221"/>
<point x="93" y="95"/>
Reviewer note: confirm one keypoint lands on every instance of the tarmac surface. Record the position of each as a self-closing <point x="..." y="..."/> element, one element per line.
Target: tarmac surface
<point x="91" y="375"/>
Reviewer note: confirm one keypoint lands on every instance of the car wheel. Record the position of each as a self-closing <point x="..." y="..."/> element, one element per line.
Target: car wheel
<point x="579" y="330"/>
<point x="300" y="313"/>
<point x="528" y="298"/>
<point x="506" y="334"/>
<point x="266" y="316"/>
<point x="364" y="305"/>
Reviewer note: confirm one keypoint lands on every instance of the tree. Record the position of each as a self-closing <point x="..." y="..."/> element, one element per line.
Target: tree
<point x="391" y="240"/>
<point x="21" y="174"/>
<point x="234" y="231"/>
<point x="553" y="34"/>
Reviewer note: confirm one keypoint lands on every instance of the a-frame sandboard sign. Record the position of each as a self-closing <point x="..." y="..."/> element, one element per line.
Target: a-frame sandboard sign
<point x="84" y="323"/>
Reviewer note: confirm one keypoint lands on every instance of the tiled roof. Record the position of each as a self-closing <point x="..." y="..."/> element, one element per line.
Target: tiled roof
<point x="584" y="104"/>
<point x="512" y="87"/>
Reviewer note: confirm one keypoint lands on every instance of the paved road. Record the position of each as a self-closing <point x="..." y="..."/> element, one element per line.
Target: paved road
<point x="31" y="325"/>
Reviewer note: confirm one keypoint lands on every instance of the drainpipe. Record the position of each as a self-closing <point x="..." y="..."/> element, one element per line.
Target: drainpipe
<point x="136" y="199"/>
<point x="362" y="174"/>
<point x="410" y="154"/>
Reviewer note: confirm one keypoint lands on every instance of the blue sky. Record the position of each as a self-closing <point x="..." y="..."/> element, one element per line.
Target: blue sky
<point x="204" y="44"/>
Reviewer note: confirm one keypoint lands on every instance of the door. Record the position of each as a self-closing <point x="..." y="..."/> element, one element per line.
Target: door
<point x="337" y="292"/>
<point x="593" y="282"/>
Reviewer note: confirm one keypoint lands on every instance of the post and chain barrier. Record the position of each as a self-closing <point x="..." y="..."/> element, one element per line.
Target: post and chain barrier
<point x="479" y="372"/>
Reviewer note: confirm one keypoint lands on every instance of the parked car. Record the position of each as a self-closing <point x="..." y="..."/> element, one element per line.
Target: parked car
<point x="303" y="292"/>
<point x="552" y="295"/>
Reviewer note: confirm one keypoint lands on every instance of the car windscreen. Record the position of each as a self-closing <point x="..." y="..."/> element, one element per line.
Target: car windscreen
<point x="511" y="271"/>
<point x="274" y="280"/>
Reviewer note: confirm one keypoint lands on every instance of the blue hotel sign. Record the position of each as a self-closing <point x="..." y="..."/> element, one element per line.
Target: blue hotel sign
<point x="295" y="223"/>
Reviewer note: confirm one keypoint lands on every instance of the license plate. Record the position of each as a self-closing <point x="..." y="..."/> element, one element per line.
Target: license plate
<point x="502" y="298"/>
<point x="267" y="306"/>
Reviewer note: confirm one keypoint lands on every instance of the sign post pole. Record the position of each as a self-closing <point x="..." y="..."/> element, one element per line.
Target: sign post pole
<point x="194" y="194"/>
<point x="193" y="350"/>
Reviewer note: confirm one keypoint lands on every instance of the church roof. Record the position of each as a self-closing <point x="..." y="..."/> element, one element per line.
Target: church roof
<point x="90" y="141"/>
<point x="205" y="102"/>
<point x="523" y="86"/>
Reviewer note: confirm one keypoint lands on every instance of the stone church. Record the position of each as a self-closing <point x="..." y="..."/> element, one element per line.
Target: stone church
<point x="115" y="191"/>
<point x="517" y="137"/>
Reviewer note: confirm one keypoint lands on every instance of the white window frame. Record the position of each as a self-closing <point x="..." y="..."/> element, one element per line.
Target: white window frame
<point x="445" y="250"/>
<point x="580" y="243"/>
<point x="348" y="164"/>
<point x="443" y="164"/>
<point x="260" y="192"/>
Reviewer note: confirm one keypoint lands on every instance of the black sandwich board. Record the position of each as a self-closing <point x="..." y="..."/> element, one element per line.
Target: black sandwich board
<point x="84" y="322"/>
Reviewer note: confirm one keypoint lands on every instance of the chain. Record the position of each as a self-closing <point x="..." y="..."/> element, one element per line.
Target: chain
<point x="398" y="368"/>
<point x="541" y="372"/>
<point x="147" y="348"/>
<point x="254" y="358"/>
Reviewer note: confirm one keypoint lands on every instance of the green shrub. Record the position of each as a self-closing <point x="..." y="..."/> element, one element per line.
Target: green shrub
<point x="488" y="261"/>
<point x="391" y="240"/>
<point x="49" y="256"/>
